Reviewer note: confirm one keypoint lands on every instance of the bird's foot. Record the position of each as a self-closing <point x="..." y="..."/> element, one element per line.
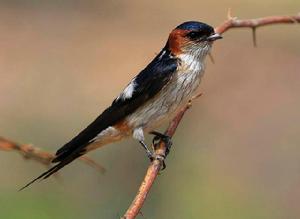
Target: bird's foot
<point x="161" y="158"/>
<point x="162" y="137"/>
<point x="167" y="140"/>
<point x="152" y="155"/>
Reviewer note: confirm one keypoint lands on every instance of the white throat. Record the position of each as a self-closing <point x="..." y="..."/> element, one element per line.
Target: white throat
<point x="193" y="58"/>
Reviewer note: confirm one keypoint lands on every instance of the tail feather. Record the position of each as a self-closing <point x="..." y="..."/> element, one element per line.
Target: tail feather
<point x="55" y="168"/>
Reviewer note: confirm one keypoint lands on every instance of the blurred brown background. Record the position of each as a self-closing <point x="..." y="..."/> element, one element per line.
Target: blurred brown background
<point x="235" y="155"/>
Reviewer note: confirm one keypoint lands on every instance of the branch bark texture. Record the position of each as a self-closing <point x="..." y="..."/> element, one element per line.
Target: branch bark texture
<point x="160" y="149"/>
<point x="33" y="153"/>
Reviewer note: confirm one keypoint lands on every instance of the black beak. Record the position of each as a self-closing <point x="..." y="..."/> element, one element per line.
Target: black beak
<point x="214" y="37"/>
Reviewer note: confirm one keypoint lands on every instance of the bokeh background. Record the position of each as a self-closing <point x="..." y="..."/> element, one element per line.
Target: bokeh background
<point x="236" y="154"/>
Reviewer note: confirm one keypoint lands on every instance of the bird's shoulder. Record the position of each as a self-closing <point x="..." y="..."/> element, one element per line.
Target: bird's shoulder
<point x="151" y="79"/>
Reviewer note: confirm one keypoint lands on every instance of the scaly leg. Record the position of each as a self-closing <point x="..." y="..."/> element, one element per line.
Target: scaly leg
<point x="148" y="152"/>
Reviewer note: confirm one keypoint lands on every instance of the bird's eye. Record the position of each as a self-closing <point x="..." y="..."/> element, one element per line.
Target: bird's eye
<point x="194" y="35"/>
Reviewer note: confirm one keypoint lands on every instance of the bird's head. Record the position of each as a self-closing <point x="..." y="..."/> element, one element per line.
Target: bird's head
<point x="192" y="37"/>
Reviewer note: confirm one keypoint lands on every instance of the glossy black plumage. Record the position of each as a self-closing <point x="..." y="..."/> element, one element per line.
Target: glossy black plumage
<point x="148" y="83"/>
<point x="195" y="25"/>
<point x="197" y="30"/>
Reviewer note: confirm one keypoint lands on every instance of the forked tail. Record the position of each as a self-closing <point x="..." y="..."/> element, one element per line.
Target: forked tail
<point x="68" y="159"/>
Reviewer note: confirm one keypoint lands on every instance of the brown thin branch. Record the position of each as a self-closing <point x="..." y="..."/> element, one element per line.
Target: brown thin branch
<point x="160" y="149"/>
<point x="233" y="22"/>
<point x="33" y="153"/>
<point x="155" y="166"/>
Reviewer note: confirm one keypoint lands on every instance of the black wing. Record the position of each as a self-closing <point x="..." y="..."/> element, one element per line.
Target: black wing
<point x="147" y="84"/>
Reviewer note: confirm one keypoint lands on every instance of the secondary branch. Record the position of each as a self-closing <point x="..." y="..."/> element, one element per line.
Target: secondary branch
<point x="156" y="165"/>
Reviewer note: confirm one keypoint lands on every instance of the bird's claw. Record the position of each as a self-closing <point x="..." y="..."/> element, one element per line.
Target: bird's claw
<point x="150" y="155"/>
<point x="167" y="140"/>
<point x="161" y="158"/>
<point x="162" y="137"/>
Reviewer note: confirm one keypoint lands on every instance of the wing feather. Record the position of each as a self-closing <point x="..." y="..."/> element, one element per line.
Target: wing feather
<point x="147" y="84"/>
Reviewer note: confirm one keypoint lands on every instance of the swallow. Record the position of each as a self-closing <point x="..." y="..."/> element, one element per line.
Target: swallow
<point x="151" y="98"/>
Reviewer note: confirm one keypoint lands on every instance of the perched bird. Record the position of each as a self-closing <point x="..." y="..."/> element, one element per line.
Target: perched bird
<point x="152" y="97"/>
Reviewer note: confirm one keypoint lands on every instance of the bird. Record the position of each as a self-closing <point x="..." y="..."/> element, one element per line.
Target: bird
<point x="151" y="98"/>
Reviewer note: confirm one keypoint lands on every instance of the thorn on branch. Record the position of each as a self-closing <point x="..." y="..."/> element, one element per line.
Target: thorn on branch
<point x="254" y="36"/>
<point x="229" y="17"/>
<point x="211" y="57"/>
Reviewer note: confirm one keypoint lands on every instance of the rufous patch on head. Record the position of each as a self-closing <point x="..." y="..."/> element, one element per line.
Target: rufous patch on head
<point x="177" y="40"/>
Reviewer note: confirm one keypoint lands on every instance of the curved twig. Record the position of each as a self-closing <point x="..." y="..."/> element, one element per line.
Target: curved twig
<point x="233" y="22"/>
<point x="156" y="165"/>
<point x="153" y="169"/>
<point x="30" y="152"/>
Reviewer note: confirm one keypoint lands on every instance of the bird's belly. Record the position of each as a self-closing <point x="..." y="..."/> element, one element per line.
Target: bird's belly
<point x="166" y="103"/>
